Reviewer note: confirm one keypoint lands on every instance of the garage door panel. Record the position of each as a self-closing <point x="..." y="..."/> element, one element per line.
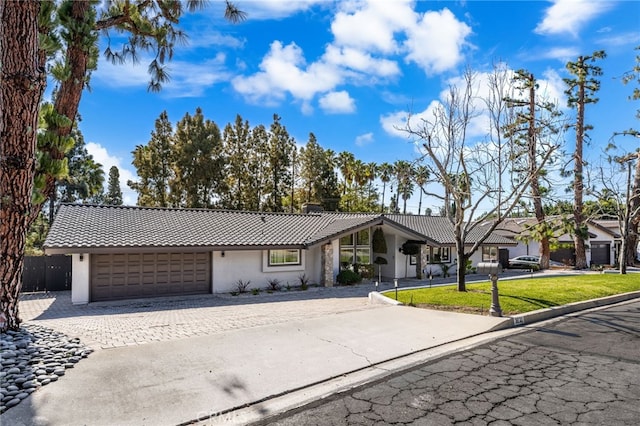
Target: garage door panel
<point x="123" y="276"/>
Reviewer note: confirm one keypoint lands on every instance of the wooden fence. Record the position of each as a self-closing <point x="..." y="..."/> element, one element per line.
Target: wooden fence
<point x="50" y="273"/>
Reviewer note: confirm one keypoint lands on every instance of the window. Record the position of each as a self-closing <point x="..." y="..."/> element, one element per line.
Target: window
<point x="489" y="254"/>
<point x="284" y="257"/>
<point x="441" y="254"/>
<point x="356" y="248"/>
<point x="413" y="260"/>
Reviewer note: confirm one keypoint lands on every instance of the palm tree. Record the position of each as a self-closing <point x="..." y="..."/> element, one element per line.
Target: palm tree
<point x="372" y="171"/>
<point x="421" y="177"/>
<point x="404" y="173"/>
<point x="385" y="170"/>
<point x="345" y="161"/>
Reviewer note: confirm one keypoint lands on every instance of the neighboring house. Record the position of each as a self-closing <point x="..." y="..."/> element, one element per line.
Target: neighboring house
<point x="603" y="244"/>
<point x="123" y="252"/>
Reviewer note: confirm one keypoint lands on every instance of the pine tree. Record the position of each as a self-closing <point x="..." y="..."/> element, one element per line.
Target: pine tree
<point x="279" y="154"/>
<point x="113" y="197"/>
<point x="85" y="178"/>
<point x="581" y="90"/>
<point x="198" y="162"/>
<point x="533" y="128"/>
<point x="154" y="165"/>
<point x="237" y="150"/>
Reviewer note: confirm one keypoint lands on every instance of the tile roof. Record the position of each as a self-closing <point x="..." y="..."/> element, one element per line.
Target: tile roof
<point x="101" y="227"/>
<point x="439" y="230"/>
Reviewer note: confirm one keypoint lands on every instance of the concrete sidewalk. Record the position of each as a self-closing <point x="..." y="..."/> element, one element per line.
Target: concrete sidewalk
<point x="197" y="378"/>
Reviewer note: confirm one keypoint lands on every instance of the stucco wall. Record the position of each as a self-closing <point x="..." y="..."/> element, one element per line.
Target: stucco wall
<point x="533" y="247"/>
<point x="252" y="265"/>
<point x="80" y="278"/>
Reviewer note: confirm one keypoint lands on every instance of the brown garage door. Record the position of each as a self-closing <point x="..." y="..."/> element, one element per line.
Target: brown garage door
<point x="134" y="275"/>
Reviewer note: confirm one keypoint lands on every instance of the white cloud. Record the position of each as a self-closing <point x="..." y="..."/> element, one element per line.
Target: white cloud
<point x="551" y="89"/>
<point x="568" y="16"/>
<point x="337" y="103"/>
<point x="186" y="79"/>
<point x="563" y="54"/>
<point x="356" y="55"/>
<point x="364" y="139"/>
<point x="626" y="39"/>
<point x="284" y="70"/>
<point x="208" y="37"/>
<point x="436" y="40"/>
<point x="371" y="25"/>
<point x="275" y="9"/>
<point x="122" y="75"/>
<point x="360" y="61"/>
<point x="396" y="123"/>
<point x="102" y="156"/>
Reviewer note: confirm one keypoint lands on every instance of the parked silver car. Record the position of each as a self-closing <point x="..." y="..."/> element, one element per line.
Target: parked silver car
<point x="529" y="262"/>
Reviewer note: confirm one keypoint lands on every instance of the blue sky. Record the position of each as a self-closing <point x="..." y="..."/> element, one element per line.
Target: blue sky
<point x="349" y="71"/>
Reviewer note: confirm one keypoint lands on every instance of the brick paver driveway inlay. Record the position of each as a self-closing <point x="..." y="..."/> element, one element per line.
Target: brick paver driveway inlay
<point x="115" y="324"/>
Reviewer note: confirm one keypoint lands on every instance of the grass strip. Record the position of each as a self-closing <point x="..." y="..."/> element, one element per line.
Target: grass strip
<point x="518" y="296"/>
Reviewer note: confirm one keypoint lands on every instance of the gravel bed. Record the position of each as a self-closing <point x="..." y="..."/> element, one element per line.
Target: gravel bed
<point x="32" y="357"/>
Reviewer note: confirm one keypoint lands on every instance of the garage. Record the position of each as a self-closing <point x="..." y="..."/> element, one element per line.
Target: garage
<point x="600" y="253"/>
<point x="138" y="275"/>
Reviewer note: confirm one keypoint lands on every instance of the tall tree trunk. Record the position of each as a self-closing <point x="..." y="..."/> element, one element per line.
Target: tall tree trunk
<point x="578" y="183"/>
<point x="634" y="220"/>
<point x="545" y="250"/>
<point x="68" y="96"/>
<point x="23" y="84"/>
<point x="461" y="266"/>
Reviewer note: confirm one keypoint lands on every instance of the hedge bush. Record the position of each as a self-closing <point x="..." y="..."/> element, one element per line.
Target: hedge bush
<point x="347" y="277"/>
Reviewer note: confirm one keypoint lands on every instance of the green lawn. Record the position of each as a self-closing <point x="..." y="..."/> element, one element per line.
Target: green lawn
<point x="521" y="295"/>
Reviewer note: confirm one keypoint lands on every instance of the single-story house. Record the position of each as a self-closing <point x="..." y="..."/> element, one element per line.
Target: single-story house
<point x="121" y="252"/>
<point x="603" y="244"/>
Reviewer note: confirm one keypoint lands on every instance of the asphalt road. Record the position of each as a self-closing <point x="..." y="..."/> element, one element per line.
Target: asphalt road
<point x="578" y="370"/>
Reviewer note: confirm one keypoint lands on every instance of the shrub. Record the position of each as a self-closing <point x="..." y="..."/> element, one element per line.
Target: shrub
<point x="378" y="242"/>
<point x="445" y="269"/>
<point x="255" y="291"/>
<point x="469" y="267"/>
<point x="242" y="286"/>
<point x="274" y="284"/>
<point x="366" y="271"/>
<point x="410" y="249"/>
<point x="347" y="277"/>
<point x="304" y="281"/>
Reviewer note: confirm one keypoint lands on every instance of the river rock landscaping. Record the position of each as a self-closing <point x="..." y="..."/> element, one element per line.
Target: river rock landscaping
<point x="32" y="357"/>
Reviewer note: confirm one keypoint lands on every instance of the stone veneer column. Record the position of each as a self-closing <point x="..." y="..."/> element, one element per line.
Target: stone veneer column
<point x="421" y="261"/>
<point x="327" y="265"/>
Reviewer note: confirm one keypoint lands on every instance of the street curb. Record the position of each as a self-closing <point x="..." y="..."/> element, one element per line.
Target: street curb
<point x="380" y="299"/>
<point x="557" y="311"/>
<point x="534" y="316"/>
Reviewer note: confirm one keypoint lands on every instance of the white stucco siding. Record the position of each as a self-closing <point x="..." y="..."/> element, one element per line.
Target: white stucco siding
<point x="80" y="278"/>
<point x="336" y="258"/>
<point x="522" y="249"/>
<point x="313" y="264"/>
<point x="252" y="265"/>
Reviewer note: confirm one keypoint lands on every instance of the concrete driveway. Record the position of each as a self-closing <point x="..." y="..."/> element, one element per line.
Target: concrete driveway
<point x="170" y="361"/>
<point x="107" y="325"/>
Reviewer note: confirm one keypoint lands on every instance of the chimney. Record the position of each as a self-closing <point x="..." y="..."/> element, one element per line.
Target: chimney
<point x="312" y="208"/>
